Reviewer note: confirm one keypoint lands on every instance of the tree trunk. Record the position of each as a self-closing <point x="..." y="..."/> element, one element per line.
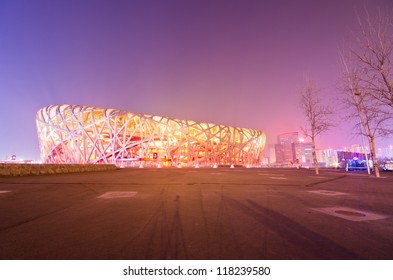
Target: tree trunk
<point x="373" y="156"/>
<point x="314" y="155"/>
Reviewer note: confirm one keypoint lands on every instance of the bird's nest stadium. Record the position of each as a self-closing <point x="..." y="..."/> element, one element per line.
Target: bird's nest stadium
<point x="84" y="134"/>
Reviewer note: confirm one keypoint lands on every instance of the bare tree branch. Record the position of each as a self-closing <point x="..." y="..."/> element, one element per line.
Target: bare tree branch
<point x="373" y="55"/>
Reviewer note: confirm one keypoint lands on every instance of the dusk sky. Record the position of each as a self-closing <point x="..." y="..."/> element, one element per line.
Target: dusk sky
<point x="237" y="63"/>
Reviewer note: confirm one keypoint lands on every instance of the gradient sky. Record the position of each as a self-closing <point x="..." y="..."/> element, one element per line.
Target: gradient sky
<point x="237" y="63"/>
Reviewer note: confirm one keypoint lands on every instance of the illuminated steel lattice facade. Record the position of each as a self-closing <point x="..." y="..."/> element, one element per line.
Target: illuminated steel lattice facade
<point x="83" y="134"/>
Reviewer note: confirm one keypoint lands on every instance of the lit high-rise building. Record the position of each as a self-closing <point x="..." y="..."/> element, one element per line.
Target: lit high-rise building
<point x="304" y="152"/>
<point x="285" y="147"/>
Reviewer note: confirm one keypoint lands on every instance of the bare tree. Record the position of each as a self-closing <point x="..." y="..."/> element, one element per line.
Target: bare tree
<point x="367" y="78"/>
<point x="373" y="55"/>
<point x="318" y="116"/>
<point x="372" y="119"/>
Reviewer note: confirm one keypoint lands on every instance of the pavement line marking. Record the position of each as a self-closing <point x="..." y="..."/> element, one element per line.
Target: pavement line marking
<point x="216" y="173"/>
<point x="350" y="214"/>
<point x="325" y="192"/>
<point x="5" y="191"/>
<point x="278" y="178"/>
<point x="117" y="194"/>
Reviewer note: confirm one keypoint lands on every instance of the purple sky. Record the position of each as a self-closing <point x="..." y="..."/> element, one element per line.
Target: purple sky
<point x="237" y="63"/>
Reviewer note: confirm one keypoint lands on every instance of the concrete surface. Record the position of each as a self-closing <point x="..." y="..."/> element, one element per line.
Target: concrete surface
<point x="218" y="213"/>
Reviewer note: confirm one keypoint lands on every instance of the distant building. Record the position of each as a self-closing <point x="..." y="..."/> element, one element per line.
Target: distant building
<point x="385" y="153"/>
<point x="290" y="149"/>
<point x="272" y="154"/>
<point x="285" y="147"/>
<point x="327" y="157"/>
<point x="355" y="148"/>
<point x="321" y="157"/>
<point x="345" y="156"/>
<point x="304" y="152"/>
<point x="331" y="158"/>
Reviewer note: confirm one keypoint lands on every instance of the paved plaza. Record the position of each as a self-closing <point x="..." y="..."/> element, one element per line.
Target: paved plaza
<point x="220" y="213"/>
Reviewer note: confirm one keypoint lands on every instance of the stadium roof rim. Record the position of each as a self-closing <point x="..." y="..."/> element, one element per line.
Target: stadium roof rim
<point x="116" y="112"/>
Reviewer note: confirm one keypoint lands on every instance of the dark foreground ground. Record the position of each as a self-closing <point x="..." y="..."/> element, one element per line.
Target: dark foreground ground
<point x="197" y="214"/>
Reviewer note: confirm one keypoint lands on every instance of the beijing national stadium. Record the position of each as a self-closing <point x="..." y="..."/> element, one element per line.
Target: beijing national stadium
<point x="88" y="135"/>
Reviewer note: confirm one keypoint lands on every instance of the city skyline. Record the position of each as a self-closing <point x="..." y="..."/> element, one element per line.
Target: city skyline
<point x="236" y="63"/>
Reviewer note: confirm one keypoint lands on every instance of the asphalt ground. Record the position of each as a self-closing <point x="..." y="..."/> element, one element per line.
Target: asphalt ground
<point x="197" y="214"/>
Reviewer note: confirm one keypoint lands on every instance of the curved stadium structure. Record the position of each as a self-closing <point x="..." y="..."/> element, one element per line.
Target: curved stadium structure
<point x="84" y="134"/>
